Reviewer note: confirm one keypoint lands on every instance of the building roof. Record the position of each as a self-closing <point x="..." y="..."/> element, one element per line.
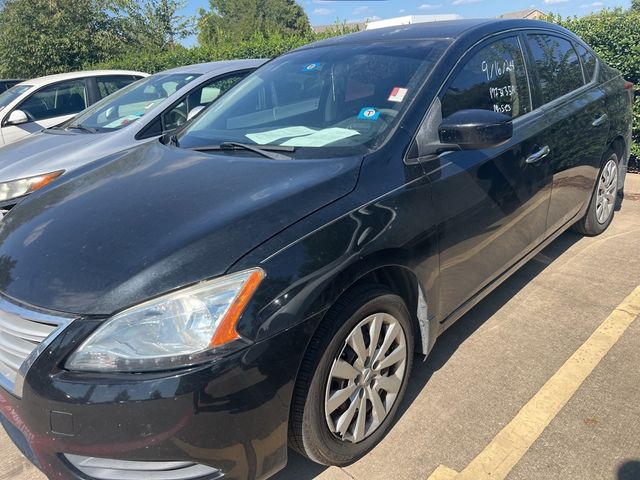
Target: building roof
<point x="411" y="19"/>
<point x="528" y="13"/>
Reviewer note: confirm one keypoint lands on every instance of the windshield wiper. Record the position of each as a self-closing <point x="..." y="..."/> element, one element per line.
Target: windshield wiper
<point x="268" y="151"/>
<point x="81" y="128"/>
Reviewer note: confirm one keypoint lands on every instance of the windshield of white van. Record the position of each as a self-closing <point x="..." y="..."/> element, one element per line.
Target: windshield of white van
<point x="340" y="98"/>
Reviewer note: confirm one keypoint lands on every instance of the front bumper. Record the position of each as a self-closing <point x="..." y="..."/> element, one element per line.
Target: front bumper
<point x="231" y="415"/>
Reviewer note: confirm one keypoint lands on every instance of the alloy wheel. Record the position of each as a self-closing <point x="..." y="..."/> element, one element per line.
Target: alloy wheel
<point x="366" y="377"/>
<point x="606" y="195"/>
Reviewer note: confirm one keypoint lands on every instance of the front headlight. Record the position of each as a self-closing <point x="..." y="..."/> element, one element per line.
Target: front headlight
<point x="178" y="329"/>
<point x="23" y="186"/>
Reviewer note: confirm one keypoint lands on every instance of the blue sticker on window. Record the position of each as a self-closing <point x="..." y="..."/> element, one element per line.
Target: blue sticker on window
<point x="311" y="67"/>
<point x="368" y="113"/>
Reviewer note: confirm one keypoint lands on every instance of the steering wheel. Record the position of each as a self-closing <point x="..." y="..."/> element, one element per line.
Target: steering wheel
<point x="176" y="118"/>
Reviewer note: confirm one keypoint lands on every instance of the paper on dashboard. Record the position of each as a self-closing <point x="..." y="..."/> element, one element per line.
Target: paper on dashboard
<point x="265" y="138"/>
<point x="321" y="138"/>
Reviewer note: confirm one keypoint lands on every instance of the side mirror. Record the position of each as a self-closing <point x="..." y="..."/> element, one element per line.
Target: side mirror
<point x="194" y="111"/>
<point x="476" y="129"/>
<point x="17" y="117"/>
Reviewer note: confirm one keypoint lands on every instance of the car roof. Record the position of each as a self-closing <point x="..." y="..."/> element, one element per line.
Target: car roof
<point x="218" y="67"/>
<point x="449" y="29"/>
<point x="46" y="80"/>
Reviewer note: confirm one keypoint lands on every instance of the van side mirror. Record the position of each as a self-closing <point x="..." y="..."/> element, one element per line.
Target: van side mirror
<point x="194" y="111"/>
<point x="17" y="117"/>
<point x="476" y="129"/>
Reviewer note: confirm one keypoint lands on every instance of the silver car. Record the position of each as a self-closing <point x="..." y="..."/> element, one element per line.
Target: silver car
<point x="138" y="113"/>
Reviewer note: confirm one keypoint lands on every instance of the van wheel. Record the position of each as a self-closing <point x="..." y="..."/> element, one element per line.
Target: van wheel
<point x="603" y="201"/>
<point x="353" y="377"/>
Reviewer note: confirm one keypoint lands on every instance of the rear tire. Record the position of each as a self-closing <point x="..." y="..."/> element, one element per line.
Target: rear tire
<point x="349" y="388"/>
<point x="603" y="201"/>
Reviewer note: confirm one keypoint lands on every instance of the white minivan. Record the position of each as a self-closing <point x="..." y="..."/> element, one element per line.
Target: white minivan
<point x="47" y="101"/>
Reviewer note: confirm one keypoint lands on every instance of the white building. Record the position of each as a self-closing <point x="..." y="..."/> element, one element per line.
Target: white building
<point x="410" y="19"/>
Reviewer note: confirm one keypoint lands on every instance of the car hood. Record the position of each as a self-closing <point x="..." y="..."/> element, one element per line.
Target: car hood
<point x="152" y="219"/>
<point x="45" y="152"/>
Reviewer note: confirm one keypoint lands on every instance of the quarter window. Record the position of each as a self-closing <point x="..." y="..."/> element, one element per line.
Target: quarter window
<point x="588" y="62"/>
<point x="494" y="78"/>
<point x="65" y="98"/>
<point x="557" y="66"/>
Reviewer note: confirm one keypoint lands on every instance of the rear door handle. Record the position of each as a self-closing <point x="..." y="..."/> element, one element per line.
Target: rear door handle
<point x="601" y="120"/>
<point x="539" y="155"/>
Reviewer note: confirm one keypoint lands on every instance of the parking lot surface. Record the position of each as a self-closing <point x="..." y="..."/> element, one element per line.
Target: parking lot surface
<point x="539" y="381"/>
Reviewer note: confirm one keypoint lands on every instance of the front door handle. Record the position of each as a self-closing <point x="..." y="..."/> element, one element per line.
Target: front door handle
<point x="601" y="120"/>
<point x="539" y="155"/>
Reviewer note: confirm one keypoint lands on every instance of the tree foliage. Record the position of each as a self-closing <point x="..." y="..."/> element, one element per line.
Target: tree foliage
<point x="267" y="45"/>
<point x="153" y="24"/>
<point x="152" y="61"/>
<point x="39" y="37"/>
<point x="239" y="20"/>
<point x="615" y="36"/>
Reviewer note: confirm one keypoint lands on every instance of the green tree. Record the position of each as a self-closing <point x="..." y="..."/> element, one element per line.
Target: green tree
<point x="635" y="5"/>
<point x="39" y="37"/>
<point x="153" y="24"/>
<point x="238" y="20"/>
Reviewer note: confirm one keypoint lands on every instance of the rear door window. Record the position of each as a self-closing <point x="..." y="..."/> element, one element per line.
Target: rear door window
<point x="494" y="78"/>
<point x="557" y="66"/>
<point x="112" y="83"/>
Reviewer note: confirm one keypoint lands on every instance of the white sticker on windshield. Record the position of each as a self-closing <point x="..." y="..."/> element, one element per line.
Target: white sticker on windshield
<point x="264" y="138"/>
<point x="321" y="138"/>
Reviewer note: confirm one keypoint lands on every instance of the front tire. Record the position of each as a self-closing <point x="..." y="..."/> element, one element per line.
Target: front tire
<point x="603" y="201"/>
<point x="353" y="377"/>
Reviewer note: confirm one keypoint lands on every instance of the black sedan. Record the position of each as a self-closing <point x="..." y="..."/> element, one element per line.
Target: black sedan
<point x="190" y="308"/>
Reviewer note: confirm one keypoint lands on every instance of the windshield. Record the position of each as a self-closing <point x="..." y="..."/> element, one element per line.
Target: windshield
<point x="132" y="102"/>
<point x="342" y="99"/>
<point x="14" y="92"/>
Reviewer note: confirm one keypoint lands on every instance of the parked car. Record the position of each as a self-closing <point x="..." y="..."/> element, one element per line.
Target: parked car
<point x="7" y="84"/>
<point x="43" y="102"/>
<point x="133" y="115"/>
<point x="188" y="310"/>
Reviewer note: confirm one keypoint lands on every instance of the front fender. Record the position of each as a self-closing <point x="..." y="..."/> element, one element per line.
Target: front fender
<point x="308" y="275"/>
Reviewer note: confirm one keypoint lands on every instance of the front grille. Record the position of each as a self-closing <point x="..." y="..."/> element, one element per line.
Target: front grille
<point x="110" y="469"/>
<point x="23" y="335"/>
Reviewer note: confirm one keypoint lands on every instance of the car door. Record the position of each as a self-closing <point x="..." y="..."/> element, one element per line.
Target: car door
<point x="49" y="106"/>
<point x="491" y="203"/>
<point x="575" y="108"/>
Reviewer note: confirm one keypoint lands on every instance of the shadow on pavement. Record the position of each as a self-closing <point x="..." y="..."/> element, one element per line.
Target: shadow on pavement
<point x="629" y="470"/>
<point x="299" y="468"/>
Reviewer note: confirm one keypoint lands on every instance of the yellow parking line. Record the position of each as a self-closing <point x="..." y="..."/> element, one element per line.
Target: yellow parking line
<point x="513" y="441"/>
<point x="443" y="473"/>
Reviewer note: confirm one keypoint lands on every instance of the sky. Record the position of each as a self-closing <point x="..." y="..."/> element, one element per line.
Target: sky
<point x="323" y="12"/>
